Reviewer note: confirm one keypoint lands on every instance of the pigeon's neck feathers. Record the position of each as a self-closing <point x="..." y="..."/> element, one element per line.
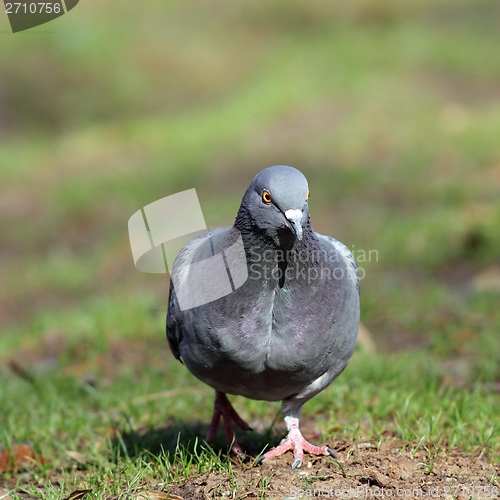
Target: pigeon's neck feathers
<point x="243" y="221"/>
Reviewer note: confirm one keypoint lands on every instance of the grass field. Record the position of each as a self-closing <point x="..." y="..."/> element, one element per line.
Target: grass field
<point x="392" y="111"/>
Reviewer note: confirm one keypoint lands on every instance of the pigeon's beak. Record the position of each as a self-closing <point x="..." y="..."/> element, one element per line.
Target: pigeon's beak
<point x="295" y="217"/>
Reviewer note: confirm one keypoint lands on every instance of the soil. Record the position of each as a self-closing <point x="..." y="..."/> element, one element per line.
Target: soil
<point x="362" y="470"/>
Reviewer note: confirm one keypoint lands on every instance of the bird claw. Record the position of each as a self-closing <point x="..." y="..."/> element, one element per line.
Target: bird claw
<point x="240" y="455"/>
<point x="224" y="410"/>
<point x="259" y="460"/>
<point x="296" y="442"/>
<point x="235" y="448"/>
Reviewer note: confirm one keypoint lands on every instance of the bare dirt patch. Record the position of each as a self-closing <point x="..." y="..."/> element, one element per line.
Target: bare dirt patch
<point x="362" y="470"/>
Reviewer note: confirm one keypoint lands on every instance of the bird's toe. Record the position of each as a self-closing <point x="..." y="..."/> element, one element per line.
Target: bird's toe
<point x="235" y="448"/>
<point x="242" y="457"/>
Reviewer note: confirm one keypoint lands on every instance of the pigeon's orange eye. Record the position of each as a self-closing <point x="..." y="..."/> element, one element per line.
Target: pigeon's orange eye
<point x="307" y="194"/>
<point x="266" y="197"/>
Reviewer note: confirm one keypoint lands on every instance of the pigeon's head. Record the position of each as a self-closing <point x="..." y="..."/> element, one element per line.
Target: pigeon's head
<point x="275" y="205"/>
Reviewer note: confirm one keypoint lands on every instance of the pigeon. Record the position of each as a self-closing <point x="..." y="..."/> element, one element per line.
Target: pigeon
<point x="288" y="325"/>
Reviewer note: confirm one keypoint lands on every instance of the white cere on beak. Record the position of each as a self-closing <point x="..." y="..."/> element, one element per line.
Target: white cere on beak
<point x="295" y="217"/>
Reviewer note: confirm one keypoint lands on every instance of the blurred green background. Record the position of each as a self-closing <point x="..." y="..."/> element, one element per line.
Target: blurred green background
<point x="391" y="109"/>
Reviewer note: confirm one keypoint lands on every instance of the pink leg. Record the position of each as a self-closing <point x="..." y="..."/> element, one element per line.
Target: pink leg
<point x="296" y="441"/>
<point x="224" y="409"/>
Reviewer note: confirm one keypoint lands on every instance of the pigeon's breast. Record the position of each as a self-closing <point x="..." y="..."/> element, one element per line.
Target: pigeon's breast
<point x="269" y="343"/>
<point x="236" y="332"/>
<point x="284" y="327"/>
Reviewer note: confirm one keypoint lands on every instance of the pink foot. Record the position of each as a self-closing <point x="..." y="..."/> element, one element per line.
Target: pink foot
<point x="224" y="409"/>
<point x="295" y="441"/>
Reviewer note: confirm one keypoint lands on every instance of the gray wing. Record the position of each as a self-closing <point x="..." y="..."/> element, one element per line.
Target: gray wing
<point x="174" y="324"/>
<point x="199" y="248"/>
<point x="352" y="265"/>
<point x="174" y="314"/>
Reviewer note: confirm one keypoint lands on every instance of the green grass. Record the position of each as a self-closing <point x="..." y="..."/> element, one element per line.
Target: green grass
<point x="94" y="401"/>
<point x="390" y="109"/>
